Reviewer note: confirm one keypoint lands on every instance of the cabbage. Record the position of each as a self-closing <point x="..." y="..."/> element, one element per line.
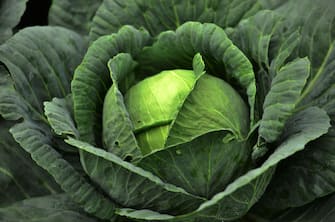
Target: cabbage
<point x="168" y="110"/>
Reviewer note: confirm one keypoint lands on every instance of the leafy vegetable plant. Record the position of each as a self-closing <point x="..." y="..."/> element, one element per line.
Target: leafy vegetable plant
<point x="171" y="110"/>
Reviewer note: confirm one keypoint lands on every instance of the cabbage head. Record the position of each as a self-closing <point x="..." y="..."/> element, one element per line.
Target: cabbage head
<point x="171" y="110"/>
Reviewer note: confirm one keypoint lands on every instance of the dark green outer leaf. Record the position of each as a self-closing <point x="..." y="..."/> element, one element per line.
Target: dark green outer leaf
<point x="53" y="208"/>
<point x="320" y="90"/>
<point x="60" y="118"/>
<point x="272" y="4"/>
<point x="288" y="43"/>
<point x="317" y="27"/>
<point x="281" y="101"/>
<point x="10" y="14"/>
<point x="9" y="109"/>
<point x="118" y="136"/>
<point x="303" y="177"/>
<point x="317" y="23"/>
<point x="35" y="139"/>
<point x="20" y="177"/>
<point x="266" y="41"/>
<point x="92" y="80"/>
<point x="311" y="170"/>
<point x="263" y="38"/>
<point x="132" y="186"/>
<point x="59" y="113"/>
<point x="322" y="210"/>
<point x="41" y="66"/>
<point x="157" y="16"/>
<point x="40" y="72"/>
<point x="253" y="36"/>
<point x="76" y="15"/>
